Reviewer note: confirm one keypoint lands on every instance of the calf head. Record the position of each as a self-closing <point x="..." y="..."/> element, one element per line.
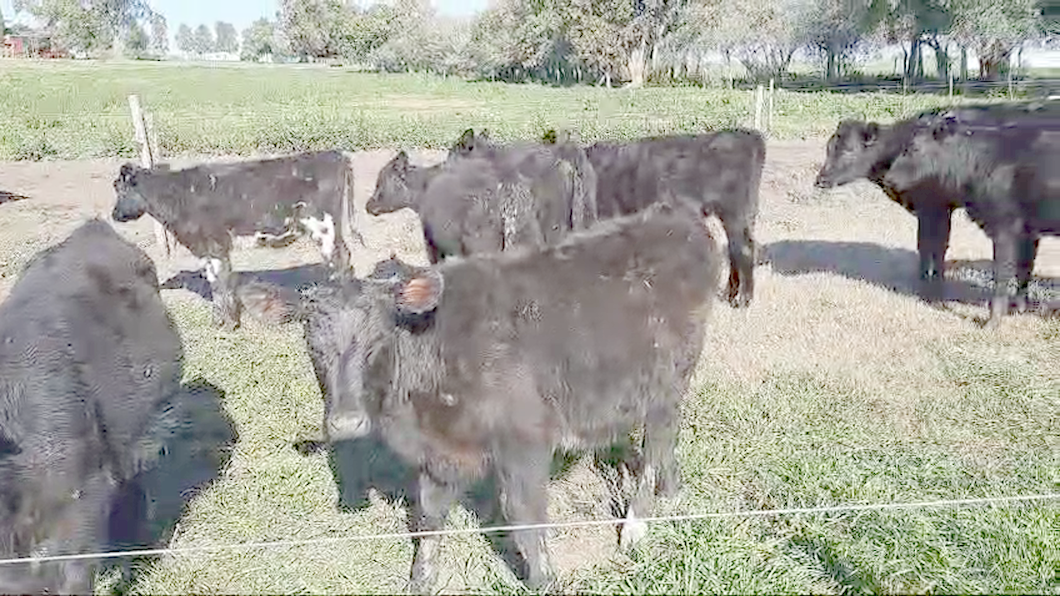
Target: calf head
<point x="352" y="333"/>
<point x="393" y="189"/>
<point x="852" y="153"/>
<point x="131" y="203"/>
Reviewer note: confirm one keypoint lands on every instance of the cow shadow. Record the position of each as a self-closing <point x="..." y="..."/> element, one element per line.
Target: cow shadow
<point x="10" y="197"/>
<point x="198" y="438"/>
<point x="295" y="278"/>
<point x="967" y="282"/>
<point x="367" y="464"/>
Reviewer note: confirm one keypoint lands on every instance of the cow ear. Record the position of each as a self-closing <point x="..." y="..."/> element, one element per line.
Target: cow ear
<point x="421" y="293"/>
<point x="871" y="133"/>
<point x="466" y="138"/>
<point x="402" y="159"/>
<point x="484" y="135"/>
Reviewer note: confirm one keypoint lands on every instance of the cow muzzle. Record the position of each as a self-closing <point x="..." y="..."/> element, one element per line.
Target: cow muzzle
<point x="345" y="426"/>
<point x="823" y="181"/>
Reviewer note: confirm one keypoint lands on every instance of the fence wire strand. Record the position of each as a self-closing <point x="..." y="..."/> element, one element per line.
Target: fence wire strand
<point x="544" y="526"/>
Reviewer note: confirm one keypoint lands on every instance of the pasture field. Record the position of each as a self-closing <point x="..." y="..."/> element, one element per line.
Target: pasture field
<point x="837" y="386"/>
<point x="76" y="110"/>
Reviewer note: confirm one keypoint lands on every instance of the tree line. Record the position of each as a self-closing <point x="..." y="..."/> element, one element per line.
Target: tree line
<point x="637" y="41"/>
<point x="605" y="42"/>
<point x="203" y="40"/>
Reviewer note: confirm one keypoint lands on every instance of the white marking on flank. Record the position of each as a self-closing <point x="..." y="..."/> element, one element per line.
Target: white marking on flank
<point x="212" y="267"/>
<point x="323" y="232"/>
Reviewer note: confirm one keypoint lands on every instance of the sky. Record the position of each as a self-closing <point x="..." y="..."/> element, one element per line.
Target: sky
<point x="243" y="12"/>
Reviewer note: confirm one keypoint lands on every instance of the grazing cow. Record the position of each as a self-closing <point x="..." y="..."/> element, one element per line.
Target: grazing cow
<point x="474" y="205"/>
<point x="88" y="356"/>
<point x="992" y="160"/>
<point x="494" y="362"/>
<point x="716" y="174"/>
<point x="206" y="205"/>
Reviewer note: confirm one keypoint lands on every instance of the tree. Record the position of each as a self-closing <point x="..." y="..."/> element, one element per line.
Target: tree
<point x="762" y="35"/>
<point x="159" y="35"/>
<point x="367" y="31"/>
<point x="314" y="28"/>
<point x="652" y="21"/>
<point x="203" y="40"/>
<point x="3" y="29"/>
<point x="836" y="31"/>
<point x="259" y="39"/>
<point x="227" y="38"/>
<point x="96" y="25"/>
<point x="136" y="41"/>
<point x="185" y="39"/>
<point x="996" y="28"/>
<point x="598" y="32"/>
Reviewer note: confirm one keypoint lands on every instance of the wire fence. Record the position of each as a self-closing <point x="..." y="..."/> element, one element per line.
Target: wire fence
<point x="541" y="526"/>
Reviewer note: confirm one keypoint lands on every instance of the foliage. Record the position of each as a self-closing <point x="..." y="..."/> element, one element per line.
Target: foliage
<point x="227" y="38"/>
<point x="185" y="39"/>
<point x="995" y="28"/>
<point x="87" y="26"/>
<point x="202" y="40"/>
<point x="136" y="40"/>
<point x="260" y="39"/>
<point x="159" y="34"/>
<point x="314" y="28"/>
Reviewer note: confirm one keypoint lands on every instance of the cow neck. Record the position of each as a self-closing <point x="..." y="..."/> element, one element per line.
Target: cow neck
<point x="893" y="140"/>
<point x="420" y="178"/>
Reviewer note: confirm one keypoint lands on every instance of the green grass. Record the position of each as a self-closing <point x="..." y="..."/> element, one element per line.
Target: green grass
<point x="988" y="426"/>
<point x="72" y="110"/>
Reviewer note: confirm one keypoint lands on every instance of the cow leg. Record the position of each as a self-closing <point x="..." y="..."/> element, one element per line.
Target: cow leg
<point x="340" y="263"/>
<point x="430" y="510"/>
<point x="933" y="236"/>
<point x="1028" y="252"/>
<point x="659" y="472"/>
<point x="523" y="477"/>
<point x="226" y="312"/>
<point x="741" y="261"/>
<point x="1006" y="249"/>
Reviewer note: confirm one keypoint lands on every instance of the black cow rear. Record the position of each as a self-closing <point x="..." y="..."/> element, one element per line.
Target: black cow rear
<point x="490" y="364"/>
<point x="715" y="173"/>
<point x="88" y="353"/>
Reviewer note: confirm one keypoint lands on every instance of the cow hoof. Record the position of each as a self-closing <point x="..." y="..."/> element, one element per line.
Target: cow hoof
<point x="632" y="532"/>
<point x="741" y="301"/>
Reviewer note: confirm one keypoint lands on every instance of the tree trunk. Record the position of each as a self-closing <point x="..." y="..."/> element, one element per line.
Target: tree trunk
<point x="636" y="65"/>
<point x="942" y="60"/>
<point x="994" y="61"/>
<point x="913" y="61"/>
<point x="964" y="63"/>
<point x="830" y="66"/>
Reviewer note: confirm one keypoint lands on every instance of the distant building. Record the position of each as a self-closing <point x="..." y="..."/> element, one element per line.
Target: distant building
<point x="34" y="44"/>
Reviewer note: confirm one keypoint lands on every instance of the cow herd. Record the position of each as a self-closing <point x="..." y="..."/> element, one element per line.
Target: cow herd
<point x="564" y="309"/>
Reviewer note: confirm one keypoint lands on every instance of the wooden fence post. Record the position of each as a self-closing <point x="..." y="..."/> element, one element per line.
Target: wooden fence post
<point x="769" y="120"/>
<point x="758" y="107"/>
<point x="147" y="160"/>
